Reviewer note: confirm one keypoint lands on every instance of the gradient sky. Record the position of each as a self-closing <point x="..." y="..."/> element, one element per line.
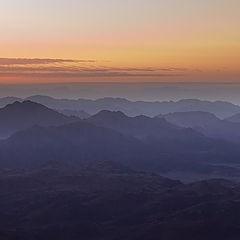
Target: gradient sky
<point x="112" y="40"/>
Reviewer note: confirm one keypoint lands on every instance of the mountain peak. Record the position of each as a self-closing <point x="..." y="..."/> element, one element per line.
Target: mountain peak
<point x="192" y="114"/>
<point x="26" y="103"/>
<point x="37" y="97"/>
<point x="28" y="108"/>
<point x="22" y="115"/>
<point x="191" y="118"/>
<point x="110" y="114"/>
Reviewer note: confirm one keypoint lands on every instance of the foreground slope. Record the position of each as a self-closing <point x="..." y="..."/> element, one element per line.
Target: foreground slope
<point x="104" y="200"/>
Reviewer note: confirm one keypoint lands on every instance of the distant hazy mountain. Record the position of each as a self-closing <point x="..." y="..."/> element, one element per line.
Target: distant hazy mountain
<point x="235" y="118"/>
<point x="80" y="114"/>
<point x="140" y="126"/>
<point x="104" y="200"/>
<point x="9" y="100"/>
<point x="18" y="116"/>
<point x="148" y="129"/>
<point x="219" y="108"/>
<point x="141" y="142"/>
<point x="163" y="137"/>
<point x="191" y="119"/>
<point x="206" y="123"/>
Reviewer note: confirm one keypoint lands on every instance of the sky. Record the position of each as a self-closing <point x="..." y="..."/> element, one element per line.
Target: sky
<point x="119" y="41"/>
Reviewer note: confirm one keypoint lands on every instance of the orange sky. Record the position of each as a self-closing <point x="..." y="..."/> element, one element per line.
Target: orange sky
<point x="129" y="40"/>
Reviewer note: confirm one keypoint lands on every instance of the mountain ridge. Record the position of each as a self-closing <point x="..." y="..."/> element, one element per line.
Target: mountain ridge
<point x="221" y="109"/>
<point x="22" y="115"/>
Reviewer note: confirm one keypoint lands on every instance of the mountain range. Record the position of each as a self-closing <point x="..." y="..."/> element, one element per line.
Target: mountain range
<point x="143" y="143"/>
<point x="206" y="123"/>
<point x="66" y="174"/>
<point x="132" y="108"/>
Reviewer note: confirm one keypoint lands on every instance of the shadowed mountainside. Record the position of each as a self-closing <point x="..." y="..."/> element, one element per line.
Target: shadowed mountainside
<point x="191" y="119"/>
<point x="235" y="118"/>
<point x="76" y="113"/>
<point x="206" y="123"/>
<point x="104" y="200"/>
<point x="143" y="143"/>
<point x="9" y="100"/>
<point x="74" y="143"/>
<point x="19" y="116"/>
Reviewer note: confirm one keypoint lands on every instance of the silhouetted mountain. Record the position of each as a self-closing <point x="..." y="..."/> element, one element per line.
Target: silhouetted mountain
<point x="141" y="126"/>
<point x="206" y="123"/>
<point x="151" y="130"/>
<point x="104" y="200"/>
<point x="19" y="116"/>
<point x="190" y="119"/>
<point x="8" y="100"/>
<point x="141" y="143"/>
<point x="235" y="118"/>
<point x="74" y="143"/>
<point x="80" y="114"/>
<point x="219" y="108"/>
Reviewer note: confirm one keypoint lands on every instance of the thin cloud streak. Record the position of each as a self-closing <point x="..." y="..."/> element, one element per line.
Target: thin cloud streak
<point x="36" y="67"/>
<point x="90" y="74"/>
<point x="27" y="61"/>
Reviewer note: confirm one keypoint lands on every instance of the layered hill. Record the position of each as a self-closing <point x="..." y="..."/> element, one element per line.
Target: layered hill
<point x="206" y="123"/>
<point x="235" y="118"/>
<point x="143" y="143"/>
<point x="73" y="143"/>
<point x="154" y="131"/>
<point x="134" y="108"/>
<point x="76" y="113"/>
<point x="22" y="115"/>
